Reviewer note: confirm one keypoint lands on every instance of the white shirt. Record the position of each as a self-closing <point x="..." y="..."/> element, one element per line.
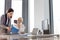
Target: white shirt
<point x="22" y="28"/>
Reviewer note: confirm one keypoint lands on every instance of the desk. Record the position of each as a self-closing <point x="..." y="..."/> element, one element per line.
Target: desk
<point x="28" y="37"/>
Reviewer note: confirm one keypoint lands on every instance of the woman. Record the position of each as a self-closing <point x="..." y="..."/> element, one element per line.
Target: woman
<point x="18" y="27"/>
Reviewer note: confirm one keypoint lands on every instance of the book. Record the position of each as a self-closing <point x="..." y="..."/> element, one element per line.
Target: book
<point x="14" y="30"/>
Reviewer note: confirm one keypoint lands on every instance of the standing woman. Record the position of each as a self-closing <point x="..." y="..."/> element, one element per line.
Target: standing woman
<point x="6" y="20"/>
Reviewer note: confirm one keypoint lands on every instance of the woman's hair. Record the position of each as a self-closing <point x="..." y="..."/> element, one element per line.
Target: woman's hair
<point x="20" y="19"/>
<point x="10" y="10"/>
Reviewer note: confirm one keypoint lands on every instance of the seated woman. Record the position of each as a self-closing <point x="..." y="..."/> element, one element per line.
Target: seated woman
<point x="18" y="27"/>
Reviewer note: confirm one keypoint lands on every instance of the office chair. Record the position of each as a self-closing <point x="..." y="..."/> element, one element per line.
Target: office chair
<point x="35" y="31"/>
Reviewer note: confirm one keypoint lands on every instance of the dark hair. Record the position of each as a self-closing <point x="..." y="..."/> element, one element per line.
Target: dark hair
<point x="10" y="10"/>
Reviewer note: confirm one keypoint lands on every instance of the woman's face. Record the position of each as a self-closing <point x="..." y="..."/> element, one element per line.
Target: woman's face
<point x="10" y="14"/>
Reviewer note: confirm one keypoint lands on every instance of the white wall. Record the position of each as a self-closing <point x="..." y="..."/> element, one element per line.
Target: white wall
<point x="46" y="9"/>
<point x="41" y="12"/>
<point x="17" y="6"/>
<point x="2" y="4"/>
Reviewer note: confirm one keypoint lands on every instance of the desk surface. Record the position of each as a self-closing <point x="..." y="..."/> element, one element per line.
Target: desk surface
<point x="31" y="37"/>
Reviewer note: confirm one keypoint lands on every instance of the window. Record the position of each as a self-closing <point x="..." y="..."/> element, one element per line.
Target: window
<point x="56" y="15"/>
<point x="17" y="6"/>
<point x="2" y="5"/>
<point x="31" y="15"/>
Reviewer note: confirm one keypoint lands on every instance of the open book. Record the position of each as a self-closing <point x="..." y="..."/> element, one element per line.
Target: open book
<point x="14" y="30"/>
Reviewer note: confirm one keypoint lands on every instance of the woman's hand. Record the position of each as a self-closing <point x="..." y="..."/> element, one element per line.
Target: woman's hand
<point x="8" y="28"/>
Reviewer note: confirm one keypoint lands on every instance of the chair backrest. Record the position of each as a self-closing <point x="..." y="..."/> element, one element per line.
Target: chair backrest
<point x="45" y="24"/>
<point x="35" y="31"/>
